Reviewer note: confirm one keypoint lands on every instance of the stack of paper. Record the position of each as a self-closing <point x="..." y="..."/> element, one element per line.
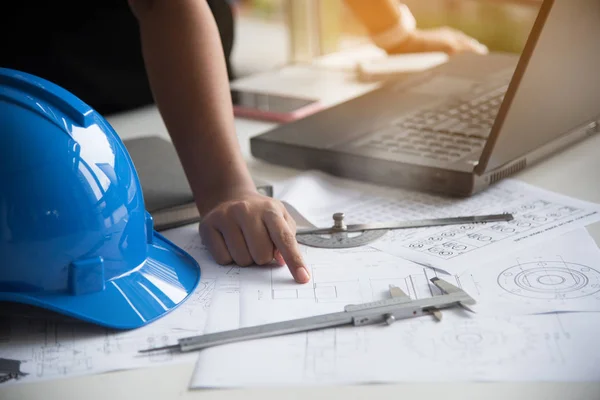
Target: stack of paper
<point x="536" y="280"/>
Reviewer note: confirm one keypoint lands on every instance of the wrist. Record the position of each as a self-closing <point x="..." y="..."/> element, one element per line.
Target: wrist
<point x="396" y="35"/>
<point x="209" y="198"/>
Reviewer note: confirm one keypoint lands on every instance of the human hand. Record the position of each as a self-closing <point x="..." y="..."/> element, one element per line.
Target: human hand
<point x="249" y="228"/>
<point x="445" y="39"/>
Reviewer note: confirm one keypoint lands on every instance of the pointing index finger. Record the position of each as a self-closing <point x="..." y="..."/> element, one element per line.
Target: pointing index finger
<point x="285" y="240"/>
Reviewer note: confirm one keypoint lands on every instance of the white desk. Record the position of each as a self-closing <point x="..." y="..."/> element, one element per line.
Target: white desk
<point x="573" y="172"/>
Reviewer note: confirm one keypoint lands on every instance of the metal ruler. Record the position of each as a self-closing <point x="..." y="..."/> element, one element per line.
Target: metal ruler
<point x="341" y="235"/>
<point x="398" y="306"/>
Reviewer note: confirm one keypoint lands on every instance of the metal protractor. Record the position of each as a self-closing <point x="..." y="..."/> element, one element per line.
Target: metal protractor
<point x="341" y="240"/>
<point x="338" y="236"/>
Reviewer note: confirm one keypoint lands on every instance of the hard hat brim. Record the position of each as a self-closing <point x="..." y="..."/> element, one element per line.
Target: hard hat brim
<point x="162" y="283"/>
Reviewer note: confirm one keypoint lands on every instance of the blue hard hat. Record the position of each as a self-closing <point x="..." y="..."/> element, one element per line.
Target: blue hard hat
<point x="75" y="237"/>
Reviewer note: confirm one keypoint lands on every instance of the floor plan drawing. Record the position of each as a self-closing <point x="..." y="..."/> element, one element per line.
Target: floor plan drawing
<point x="340" y="291"/>
<point x="338" y="278"/>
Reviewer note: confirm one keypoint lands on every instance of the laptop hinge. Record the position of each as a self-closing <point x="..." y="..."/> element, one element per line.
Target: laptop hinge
<point x="506" y="171"/>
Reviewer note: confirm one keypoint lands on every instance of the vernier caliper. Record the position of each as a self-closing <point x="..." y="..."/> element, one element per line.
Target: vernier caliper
<point x="398" y="306"/>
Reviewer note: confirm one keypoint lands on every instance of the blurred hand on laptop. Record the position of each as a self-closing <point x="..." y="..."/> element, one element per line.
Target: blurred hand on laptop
<point x="445" y="39"/>
<point x="393" y="28"/>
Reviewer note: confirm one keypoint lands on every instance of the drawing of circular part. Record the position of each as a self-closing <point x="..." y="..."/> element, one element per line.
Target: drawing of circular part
<point x="455" y="246"/>
<point x="479" y="237"/>
<point x="520" y="223"/>
<point x="487" y="341"/>
<point x="441" y="252"/>
<point x="435" y="239"/>
<point x="503" y="229"/>
<point x="416" y="245"/>
<point x="450" y="233"/>
<point x="547" y="280"/>
<point x="535" y="218"/>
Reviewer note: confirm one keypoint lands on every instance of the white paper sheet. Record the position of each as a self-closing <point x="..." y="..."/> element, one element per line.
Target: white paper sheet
<point x="50" y="350"/>
<point x="539" y="215"/>
<point x="561" y="274"/>
<point x="463" y="347"/>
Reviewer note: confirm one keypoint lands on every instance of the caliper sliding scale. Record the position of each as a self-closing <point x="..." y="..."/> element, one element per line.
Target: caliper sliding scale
<point x="399" y="306"/>
<point x="337" y="236"/>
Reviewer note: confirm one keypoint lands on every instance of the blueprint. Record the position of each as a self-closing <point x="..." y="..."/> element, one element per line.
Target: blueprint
<point x="562" y="274"/>
<point x="499" y="342"/>
<point x="539" y="215"/>
<point x="462" y="347"/>
<point x="50" y="349"/>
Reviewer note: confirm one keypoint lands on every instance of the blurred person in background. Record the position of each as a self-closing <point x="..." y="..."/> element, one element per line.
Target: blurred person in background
<point x="118" y="55"/>
<point x="95" y="50"/>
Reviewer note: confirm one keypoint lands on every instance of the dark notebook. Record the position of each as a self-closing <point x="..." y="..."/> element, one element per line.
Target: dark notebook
<point x="167" y="193"/>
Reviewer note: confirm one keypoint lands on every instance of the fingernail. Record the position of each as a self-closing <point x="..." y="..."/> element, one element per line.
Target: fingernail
<point x="302" y="275"/>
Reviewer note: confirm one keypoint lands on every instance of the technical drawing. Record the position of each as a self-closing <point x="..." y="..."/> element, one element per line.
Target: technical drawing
<point x="448" y="243"/>
<point x="326" y="286"/>
<point x="472" y="342"/>
<point x="201" y="299"/>
<point x="326" y="349"/>
<point x="195" y="245"/>
<point x="233" y="271"/>
<point x="547" y="280"/>
<point x="115" y="343"/>
<point x="342" y="291"/>
<point x="159" y="341"/>
<point x="61" y="360"/>
<point x="417" y="286"/>
<point x="320" y="354"/>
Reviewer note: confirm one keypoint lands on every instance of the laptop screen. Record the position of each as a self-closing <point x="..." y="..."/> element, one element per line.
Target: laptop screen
<point x="556" y="85"/>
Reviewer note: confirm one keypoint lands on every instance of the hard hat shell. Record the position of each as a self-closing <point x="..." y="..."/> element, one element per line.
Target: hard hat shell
<point x="75" y="237"/>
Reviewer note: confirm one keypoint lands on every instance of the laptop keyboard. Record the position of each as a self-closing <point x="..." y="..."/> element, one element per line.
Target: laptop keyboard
<point x="446" y="133"/>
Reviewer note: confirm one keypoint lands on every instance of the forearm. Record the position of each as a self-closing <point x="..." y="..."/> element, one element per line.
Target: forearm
<point x="186" y="68"/>
<point x="376" y="15"/>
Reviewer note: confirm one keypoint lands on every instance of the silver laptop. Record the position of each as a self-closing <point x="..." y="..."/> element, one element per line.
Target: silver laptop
<point x="465" y="125"/>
